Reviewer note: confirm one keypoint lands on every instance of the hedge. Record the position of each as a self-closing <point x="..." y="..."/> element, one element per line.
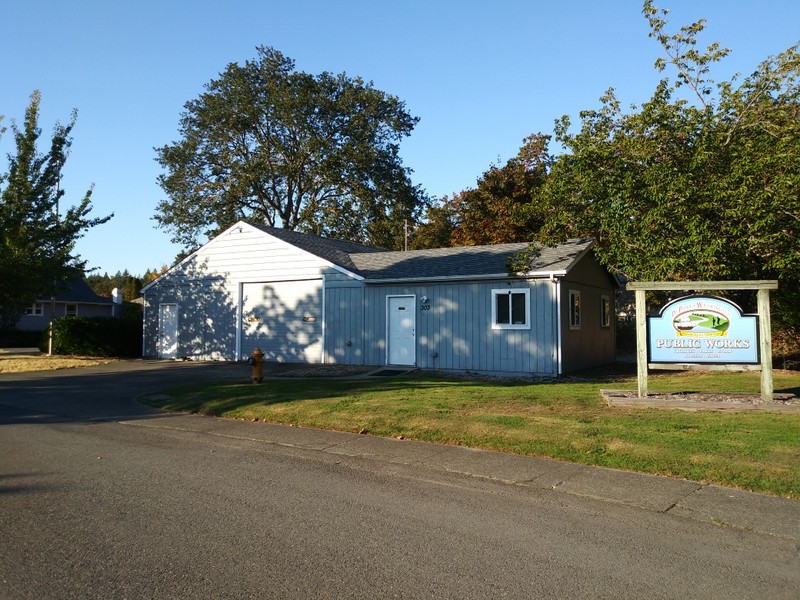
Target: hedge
<point x="100" y="336"/>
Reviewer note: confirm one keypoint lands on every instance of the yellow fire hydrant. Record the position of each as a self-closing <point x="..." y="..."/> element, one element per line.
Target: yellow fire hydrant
<point x="256" y="361"/>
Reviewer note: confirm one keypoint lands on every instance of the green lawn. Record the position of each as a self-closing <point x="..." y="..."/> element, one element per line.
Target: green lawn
<point x="566" y="420"/>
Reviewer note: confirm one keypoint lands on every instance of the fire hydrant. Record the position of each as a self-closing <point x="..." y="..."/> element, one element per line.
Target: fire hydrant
<point x="256" y="361"/>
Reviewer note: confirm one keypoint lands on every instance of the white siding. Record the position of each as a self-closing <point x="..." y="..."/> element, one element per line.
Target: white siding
<point x="208" y="286"/>
<point x="283" y="319"/>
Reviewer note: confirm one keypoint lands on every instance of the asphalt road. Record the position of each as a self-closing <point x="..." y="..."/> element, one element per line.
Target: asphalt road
<point x="101" y="497"/>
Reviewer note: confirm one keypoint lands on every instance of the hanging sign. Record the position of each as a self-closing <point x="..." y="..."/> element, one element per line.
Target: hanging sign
<point x="702" y="329"/>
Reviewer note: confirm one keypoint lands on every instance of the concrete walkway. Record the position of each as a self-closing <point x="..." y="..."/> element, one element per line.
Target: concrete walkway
<point x="726" y="507"/>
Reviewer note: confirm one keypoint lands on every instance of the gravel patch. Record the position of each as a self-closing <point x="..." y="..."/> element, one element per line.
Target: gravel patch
<point x="691" y="401"/>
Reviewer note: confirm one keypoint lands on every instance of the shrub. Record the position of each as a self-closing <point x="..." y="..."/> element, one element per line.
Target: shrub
<point x="100" y="336"/>
<point x="19" y="338"/>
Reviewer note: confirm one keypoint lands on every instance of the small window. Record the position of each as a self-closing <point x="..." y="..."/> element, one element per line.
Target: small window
<point x="574" y="309"/>
<point x="510" y="309"/>
<point x="36" y="310"/>
<point x="605" y="311"/>
<point x="71" y="310"/>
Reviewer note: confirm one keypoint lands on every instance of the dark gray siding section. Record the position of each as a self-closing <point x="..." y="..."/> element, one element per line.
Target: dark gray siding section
<point x="591" y="344"/>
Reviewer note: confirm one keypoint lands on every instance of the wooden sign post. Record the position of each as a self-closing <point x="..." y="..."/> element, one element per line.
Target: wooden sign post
<point x="764" y="331"/>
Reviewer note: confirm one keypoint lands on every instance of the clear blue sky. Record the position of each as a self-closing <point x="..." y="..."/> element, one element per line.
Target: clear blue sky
<point x="479" y="75"/>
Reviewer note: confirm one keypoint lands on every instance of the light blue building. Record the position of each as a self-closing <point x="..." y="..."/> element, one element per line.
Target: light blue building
<point x="306" y="299"/>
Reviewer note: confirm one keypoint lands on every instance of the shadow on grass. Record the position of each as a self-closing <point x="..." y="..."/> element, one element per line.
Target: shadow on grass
<point x="224" y="398"/>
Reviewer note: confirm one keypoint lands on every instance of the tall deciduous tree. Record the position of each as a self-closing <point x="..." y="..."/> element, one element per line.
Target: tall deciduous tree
<point x="289" y="149"/>
<point x="38" y="239"/>
<point x="704" y="185"/>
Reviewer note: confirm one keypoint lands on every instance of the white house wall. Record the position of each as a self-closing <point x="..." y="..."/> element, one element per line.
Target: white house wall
<point x="283" y="319"/>
<point x="207" y="287"/>
<point x="246" y="288"/>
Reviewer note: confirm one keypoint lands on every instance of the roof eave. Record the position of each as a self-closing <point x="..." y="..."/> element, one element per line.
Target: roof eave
<point x="447" y="278"/>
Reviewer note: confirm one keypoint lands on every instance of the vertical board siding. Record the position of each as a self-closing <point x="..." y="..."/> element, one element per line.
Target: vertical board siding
<point x="206" y="320"/>
<point x="344" y="335"/>
<point x="591" y="345"/>
<point x="456" y="333"/>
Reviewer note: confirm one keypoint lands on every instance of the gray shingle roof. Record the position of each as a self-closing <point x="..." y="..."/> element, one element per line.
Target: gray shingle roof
<point x="474" y="261"/>
<point x="334" y="251"/>
<point x="77" y="291"/>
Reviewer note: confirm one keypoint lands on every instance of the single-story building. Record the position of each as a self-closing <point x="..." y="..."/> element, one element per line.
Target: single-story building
<point x="76" y="299"/>
<point x="302" y="298"/>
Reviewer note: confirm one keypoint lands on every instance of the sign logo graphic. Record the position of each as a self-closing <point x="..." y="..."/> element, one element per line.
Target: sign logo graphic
<point x="707" y="323"/>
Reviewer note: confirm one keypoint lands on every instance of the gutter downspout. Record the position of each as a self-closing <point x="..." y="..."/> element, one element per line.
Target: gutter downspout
<point x="324" y="320"/>
<point x="144" y="323"/>
<point x="559" y="358"/>
<point x="237" y="353"/>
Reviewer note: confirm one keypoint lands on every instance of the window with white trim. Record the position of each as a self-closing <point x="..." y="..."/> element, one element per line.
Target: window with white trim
<point x="574" y="309"/>
<point x="36" y="310"/>
<point x="71" y="310"/>
<point x="511" y="309"/>
<point x="605" y="311"/>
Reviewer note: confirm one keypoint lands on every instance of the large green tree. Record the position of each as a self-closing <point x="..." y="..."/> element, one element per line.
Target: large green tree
<point x="288" y="149"/>
<point x="37" y="233"/>
<point x="702" y="181"/>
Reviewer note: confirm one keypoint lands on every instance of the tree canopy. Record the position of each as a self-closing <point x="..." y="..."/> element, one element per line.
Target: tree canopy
<point x="277" y="146"/>
<point x="123" y="281"/>
<point x="37" y="235"/>
<point x="698" y="185"/>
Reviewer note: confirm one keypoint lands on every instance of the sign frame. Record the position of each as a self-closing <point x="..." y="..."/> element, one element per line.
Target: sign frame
<point x="763" y="288"/>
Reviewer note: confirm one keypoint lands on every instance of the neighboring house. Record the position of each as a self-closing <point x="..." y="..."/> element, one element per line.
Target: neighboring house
<point x="305" y="299"/>
<point x="76" y="299"/>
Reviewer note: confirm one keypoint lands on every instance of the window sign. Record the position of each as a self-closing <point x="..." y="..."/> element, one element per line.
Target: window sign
<point x="703" y="329"/>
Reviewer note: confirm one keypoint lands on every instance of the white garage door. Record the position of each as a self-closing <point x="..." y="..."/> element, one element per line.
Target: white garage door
<point x="284" y="319"/>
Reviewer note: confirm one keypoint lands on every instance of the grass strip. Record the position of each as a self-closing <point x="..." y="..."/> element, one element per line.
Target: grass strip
<point x="568" y="421"/>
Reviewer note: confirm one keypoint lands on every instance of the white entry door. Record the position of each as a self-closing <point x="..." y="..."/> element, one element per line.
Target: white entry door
<point x="401" y="323"/>
<point x="168" y="331"/>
